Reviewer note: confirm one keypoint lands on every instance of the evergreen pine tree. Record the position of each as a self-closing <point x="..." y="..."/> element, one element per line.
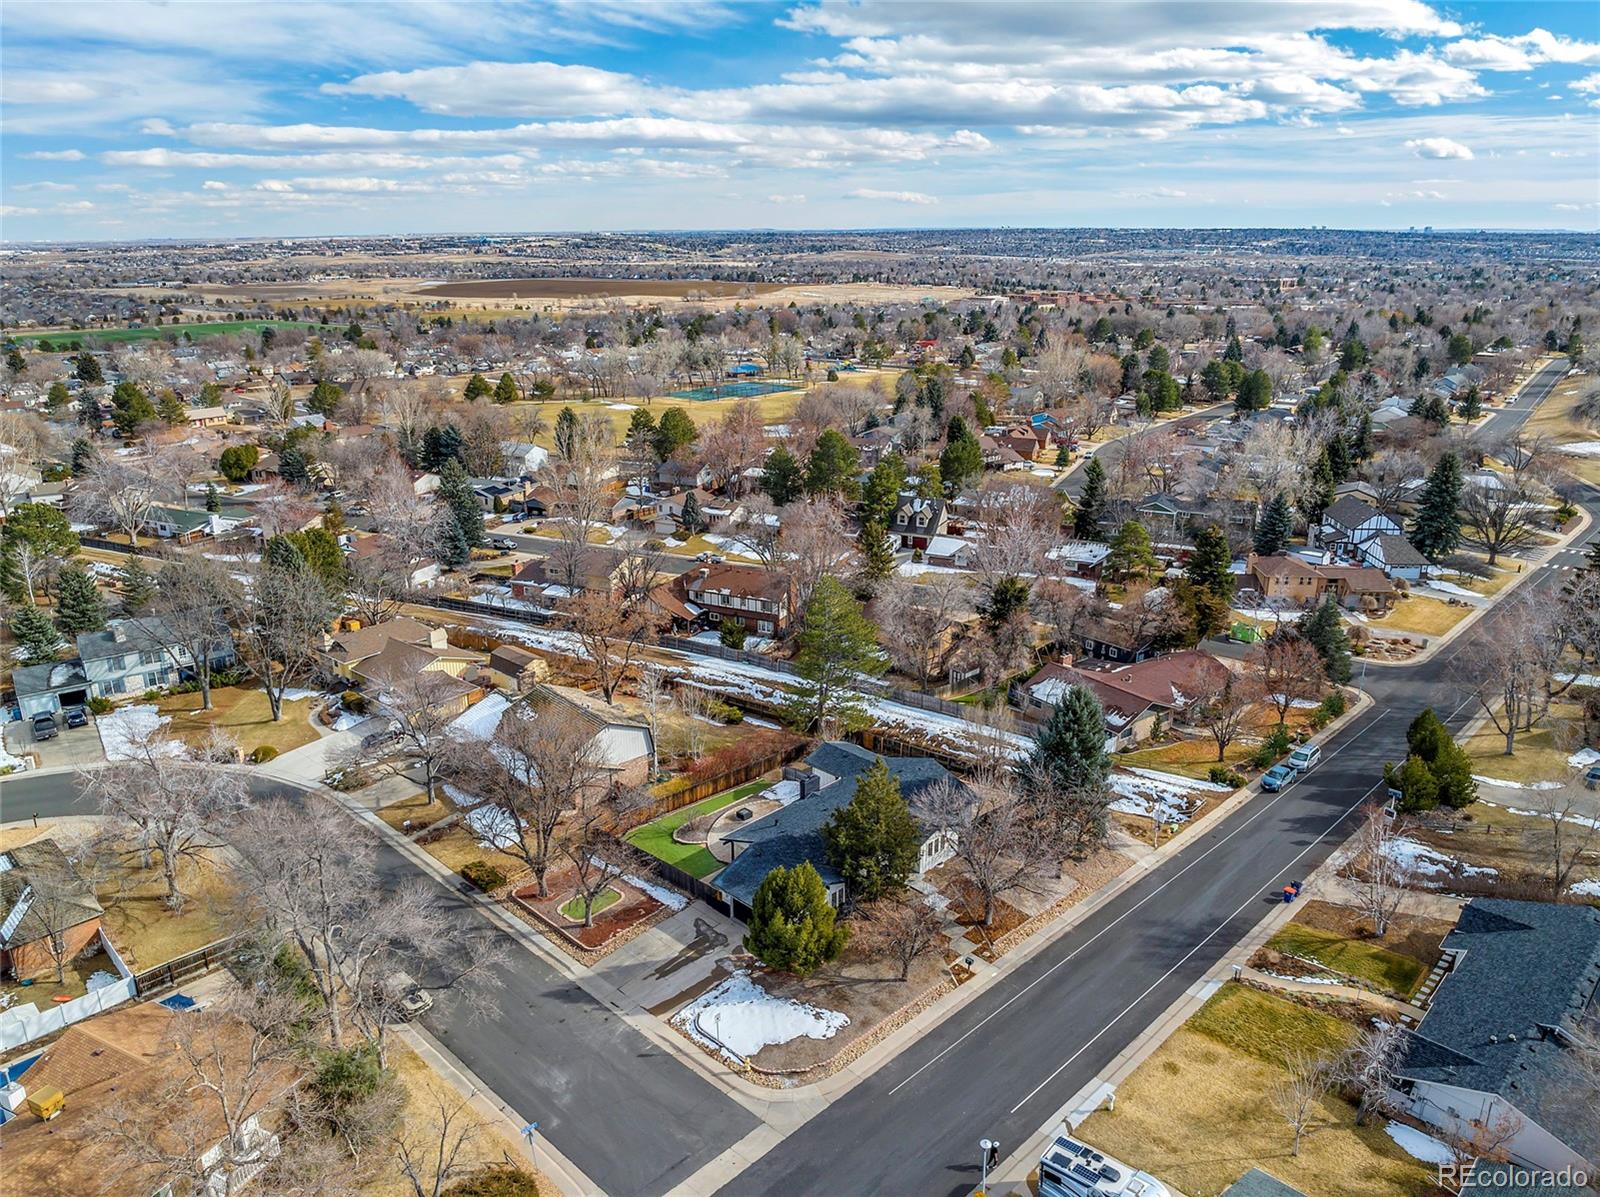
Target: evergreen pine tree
<point x="877" y="552"/>
<point x="1131" y="554"/>
<point x="1361" y="446"/>
<point x="505" y="391"/>
<point x="79" y="607"/>
<point x="454" y="550"/>
<point x="835" y="645"/>
<point x="213" y="499"/>
<point x="831" y="467"/>
<point x="1275" y="526"/>
<point x="293" y="467"/>
<point x="1210" y="566"/>
<point x="881" y="494"/>
<point x="1091" y="510"/>
<point x="1318" y="496"/>
<point x="282" y="553"/>
<point x="792" y="926"/>
<point x="89" y="410"/>
<point x="83" y="456"/>
<point x="35" y="634"/>
<point x="1325" y="630"/>
<point x="1471" y="404"/>
<point x="1071" y="746"/>
<point x="692" y="520"/>
<point x="455" y="492"/>
<point x="1436" y="530"/>
<point x="477" y="387"/>
<point x="171" y="408"/>
<point x="566" y="434"/>
<point x="782" y="478"/>
<point x="138" y="587"/>
<point x="873" y="840"/>
<point x="962" y="458"/>
<point x="1338" y="454"/>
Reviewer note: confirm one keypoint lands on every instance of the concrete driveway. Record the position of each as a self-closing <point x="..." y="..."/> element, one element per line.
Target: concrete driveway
<point x="72" y="745"/>
<point x="673" y="956"/>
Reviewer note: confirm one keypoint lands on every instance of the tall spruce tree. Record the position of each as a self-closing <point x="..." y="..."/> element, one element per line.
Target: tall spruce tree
<point x="36" y="635"/>
<point x="1210" y="566"/>
<point x="1325" y="630"/>
<point x="1275" y="526"/>
<point x="1436" y="530"/>
<point x="873" y="840"/>
<point x="455" y="492"/>
<point x="835" y="645"/>
<point x="79" y="607"/>
<point x="792" y="925"/>
<point x="877" y="552"/>
<point x="1071" y="746"/>
<point x="1090" y="515"/>
<point x="692" y="519"/>
<point x="138" y="587"/>
<point x="782" y="477"/>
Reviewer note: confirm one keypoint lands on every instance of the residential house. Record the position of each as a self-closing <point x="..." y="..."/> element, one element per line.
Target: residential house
<point x="516" y="669"/>
<point x="123" y="1060"/>
<point x="1077" y="559"/>
<point x="792" y="835"/>
<point x="50" y="912"/>
<point x="1396" y="556"/>
<point x="343" y="651"/>
<point x="1135" y="697"/>
<point x="424" y="572"/>
<point x="1172" y="518"/>
<point x="675" y="475"/>
<point x="265" y="469"/>
<point x="669" y="509"/>
<point x="621" y="745"/>
<point x="1349" y="524"/>
<point x="762" y="601"/>
<point x="383" y="673"/>
<point x="949" y="552"/>
<point x="998" y="454"/>
<point x="916" y="521"/>
<point x="129" y="657"/>
<point x="524" y="459"/>
<point x="1030" y="442"/>
<point x="184" y="525"/>
<point x="1495" y="1057"/>
<point x="1291" y="581"/>
<point x="1116" y="640"/>
<point x="206" y="417"/>
<point x="600" y="570"/>
<point x="874" y="443"/>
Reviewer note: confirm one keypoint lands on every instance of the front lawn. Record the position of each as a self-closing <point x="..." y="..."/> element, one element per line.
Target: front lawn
<point x="146" y="931"/>
<point x="655" y="837"/>
<point x="1539" y="755"/>
<point x="1396" y="974"/>
<point x="1198" y="1114"/>
<point x="1422" y="615"/>
<point x="1190" y="758"/>
<point x="244" y="713"/>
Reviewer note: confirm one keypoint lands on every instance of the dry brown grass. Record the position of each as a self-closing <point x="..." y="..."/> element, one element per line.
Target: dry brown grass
<point x="1421" y="615"/>
<point x="146" y="931"/>
<point x="243" y="713"/>
<point x="1197" y="1114"/>
<point x="1540" y="755"/>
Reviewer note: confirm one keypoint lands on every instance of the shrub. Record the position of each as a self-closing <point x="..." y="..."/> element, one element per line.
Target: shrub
<point x="354" y="701"/>
<point x="833" y="375"/>
<point x="1222" y="775"/>
<point x="724" y="712"/>
<point x="791" y="923"/>
<point x="262" y="753"/>
<point x="505" y="1180"/>
<point x="290" y="974"/>
<point x="100" y="706"/>
<point x="483" y="874"/>
<point x="1271" y="748"/>
<point x="352" y="777"/>
<point x="732" y="634"/>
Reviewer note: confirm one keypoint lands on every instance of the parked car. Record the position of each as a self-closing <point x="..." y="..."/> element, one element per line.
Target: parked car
<point x="504" y="544"/>
<point x="44" y="727"/>
<point x="407" y="997"/>
<point x="76" y="717"/>
<point x="1278" y="777"/>
<point x="1306" y="757"/>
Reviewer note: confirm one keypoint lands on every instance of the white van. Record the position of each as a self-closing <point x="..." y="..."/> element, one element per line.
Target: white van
<point x="1305" y="758"/>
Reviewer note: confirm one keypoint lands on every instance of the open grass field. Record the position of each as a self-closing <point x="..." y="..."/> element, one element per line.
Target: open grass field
<point x="244" y="714"/>
<point x="655" y="837"/>
<point x="1399" y="975"/>
<point x="174" y="332"/>
<point x="595" y="288"/>
<point x="1556" y="420"/>
<point x="1197" y="1113"/>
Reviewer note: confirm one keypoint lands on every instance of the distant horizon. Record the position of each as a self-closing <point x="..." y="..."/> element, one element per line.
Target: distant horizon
<point x="1420" y="230"/>
<point x="268" y="118"/>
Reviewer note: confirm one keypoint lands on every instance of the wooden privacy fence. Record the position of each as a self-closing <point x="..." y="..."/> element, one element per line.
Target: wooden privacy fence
<point x="184" y="968"/>
<point x="715" y="785"/>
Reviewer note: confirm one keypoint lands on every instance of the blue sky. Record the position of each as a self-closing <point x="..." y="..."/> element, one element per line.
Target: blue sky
<point x="215" y="118"/>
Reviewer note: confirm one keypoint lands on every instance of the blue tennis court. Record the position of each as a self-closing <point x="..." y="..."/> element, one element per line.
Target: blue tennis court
<point x="735" y="390"/>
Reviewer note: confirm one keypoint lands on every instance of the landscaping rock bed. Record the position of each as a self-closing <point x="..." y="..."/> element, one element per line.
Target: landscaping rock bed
<point x="633" y="909"/>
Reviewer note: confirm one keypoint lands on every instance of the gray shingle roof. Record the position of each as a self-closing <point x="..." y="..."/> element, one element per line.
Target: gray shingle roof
<point x="793" y="834"/>
<point x="145" y="633"/>
<point x="1400" y="552"/>
<point x="1525" y="969"/>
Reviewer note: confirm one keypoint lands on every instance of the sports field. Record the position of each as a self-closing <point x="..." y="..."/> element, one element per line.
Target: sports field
<point x="171" y="332"/>
<point x="736" y="390"/>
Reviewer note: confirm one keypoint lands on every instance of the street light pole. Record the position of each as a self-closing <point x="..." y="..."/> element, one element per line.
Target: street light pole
<point x="987" y="1146"/>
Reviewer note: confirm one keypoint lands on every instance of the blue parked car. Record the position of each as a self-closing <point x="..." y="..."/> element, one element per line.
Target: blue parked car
<point x="1278" y="777"/>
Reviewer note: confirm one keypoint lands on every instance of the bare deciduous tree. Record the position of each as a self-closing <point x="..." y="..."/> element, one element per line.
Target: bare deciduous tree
<point x="1573" y="831"/>
<point x="614" y="634"/>
<point x="1368" y="1067"/>
<point x="1286" y="669"/>
<point x="433" y="1152"/>
<point x="816" y="545"/>
<point x="188" y="616"/>
<point x="116" y="494"/>
<point x="1002" y="846"/>
<point x="1298" y="1097"/>
<point x="918" y="621"/>
<point x="420" y="707"/>
<point x="1382" y="875"/>
<point x="1223" y="709"/>
<point x="903" y="928"/>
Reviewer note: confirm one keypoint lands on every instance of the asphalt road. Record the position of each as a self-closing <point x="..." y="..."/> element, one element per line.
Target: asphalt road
<point x="633" y="1117"/>
<point x="1007" y="1062"/>
<point x="638" y="1122"/>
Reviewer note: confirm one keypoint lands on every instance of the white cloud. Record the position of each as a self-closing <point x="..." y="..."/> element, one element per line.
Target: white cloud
<point x="786" y="199"/>
<point x="54" y="156"/>
<point x="1496" y="53"/>
<point x="214" y="185"/>
<point x="1438" y="147"/>
<point x="505" y="89"/>
<point x="891" y="197"/>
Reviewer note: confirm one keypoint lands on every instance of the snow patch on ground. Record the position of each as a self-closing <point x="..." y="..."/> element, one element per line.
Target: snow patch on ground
<point x="490" y="824"/>
<point x="7" y="761"/>
<point x="1581" y="448"/>
<point x="99" y="979"/>
<point x="125" y="729"/>
<point x="1589" y="888"/>
<point x="671" y="899"/>
<point x="738" y="1018"/>
<point x="1584" y="756"/>
<point x="1450" y="588"/>
<point x="1516" y="785"/>
<point x="1418" y="1145"/>
<point x="348" y="720"/>
<point x="1302" y="980"/>
<point x="296" y="695"/>
<point x="1430" y="862"/>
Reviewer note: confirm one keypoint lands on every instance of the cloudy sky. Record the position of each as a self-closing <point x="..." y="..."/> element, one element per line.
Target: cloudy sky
<point x="219" y="118"/>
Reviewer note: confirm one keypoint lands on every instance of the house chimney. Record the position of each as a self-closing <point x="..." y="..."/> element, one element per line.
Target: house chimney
<point x="119" y="631"/>
<point x="1066" y="660"/>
